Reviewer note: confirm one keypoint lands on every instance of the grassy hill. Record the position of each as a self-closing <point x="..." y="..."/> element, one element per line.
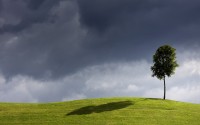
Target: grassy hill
<point x="103" y="111"/>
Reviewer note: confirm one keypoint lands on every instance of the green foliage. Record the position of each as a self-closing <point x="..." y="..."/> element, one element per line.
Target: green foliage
<point x="104" y="111"/>
<point x="164" y="62"/>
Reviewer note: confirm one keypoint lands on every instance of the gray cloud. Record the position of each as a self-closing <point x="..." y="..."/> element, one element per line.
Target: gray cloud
<point x="126" y="30"/>
<point x="19" y="15"/>
<point x="35" y="4"/>
<point x="46" y="47"/>
<point x="133" y="24"/>
<point x="57" y="38"/>
<point x="144" y="17"/>
<point x="64" y="44"/>
<point x="107" y="80"/>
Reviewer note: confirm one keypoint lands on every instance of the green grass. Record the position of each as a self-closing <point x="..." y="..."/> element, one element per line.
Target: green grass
<point x="103" y="111"/>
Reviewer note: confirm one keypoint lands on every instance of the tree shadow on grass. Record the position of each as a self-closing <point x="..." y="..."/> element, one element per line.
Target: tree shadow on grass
<point x="153" y="99"/>
<point x="101" y="108"/>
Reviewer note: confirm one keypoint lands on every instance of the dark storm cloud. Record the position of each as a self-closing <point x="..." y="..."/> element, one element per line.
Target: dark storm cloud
<point x="103" y="14"/>
<point x="130" y="30"/>
<point x="24" y="14"/>
<point x="44" y="47"/>
<point x="52" y="50"/>
<point x="35" y="4"/>
<point x="147" y="21"/>
<point x="54" y="38"/>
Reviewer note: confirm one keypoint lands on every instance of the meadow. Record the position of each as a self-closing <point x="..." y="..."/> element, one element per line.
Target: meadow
<point x="102" y="111"/>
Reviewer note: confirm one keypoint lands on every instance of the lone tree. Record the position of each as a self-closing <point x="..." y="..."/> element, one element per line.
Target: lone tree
<point x="164" y="63"/>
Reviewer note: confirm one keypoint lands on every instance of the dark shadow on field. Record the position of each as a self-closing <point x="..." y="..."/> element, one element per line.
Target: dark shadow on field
<point x="153" y="99"/>
<point x="101" y="108"/>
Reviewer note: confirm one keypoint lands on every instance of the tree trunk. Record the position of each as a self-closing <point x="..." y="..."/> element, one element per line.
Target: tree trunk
<point x="164" y="89"/>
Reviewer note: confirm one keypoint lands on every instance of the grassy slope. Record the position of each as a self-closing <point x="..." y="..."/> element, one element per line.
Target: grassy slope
<point x="106" y="111"/>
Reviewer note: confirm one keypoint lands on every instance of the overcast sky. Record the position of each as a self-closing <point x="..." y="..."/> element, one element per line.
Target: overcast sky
<point x="58" y="50"/>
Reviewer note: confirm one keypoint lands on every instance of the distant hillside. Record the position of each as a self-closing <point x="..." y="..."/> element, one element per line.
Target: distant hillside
<point x="103" y="111"/>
